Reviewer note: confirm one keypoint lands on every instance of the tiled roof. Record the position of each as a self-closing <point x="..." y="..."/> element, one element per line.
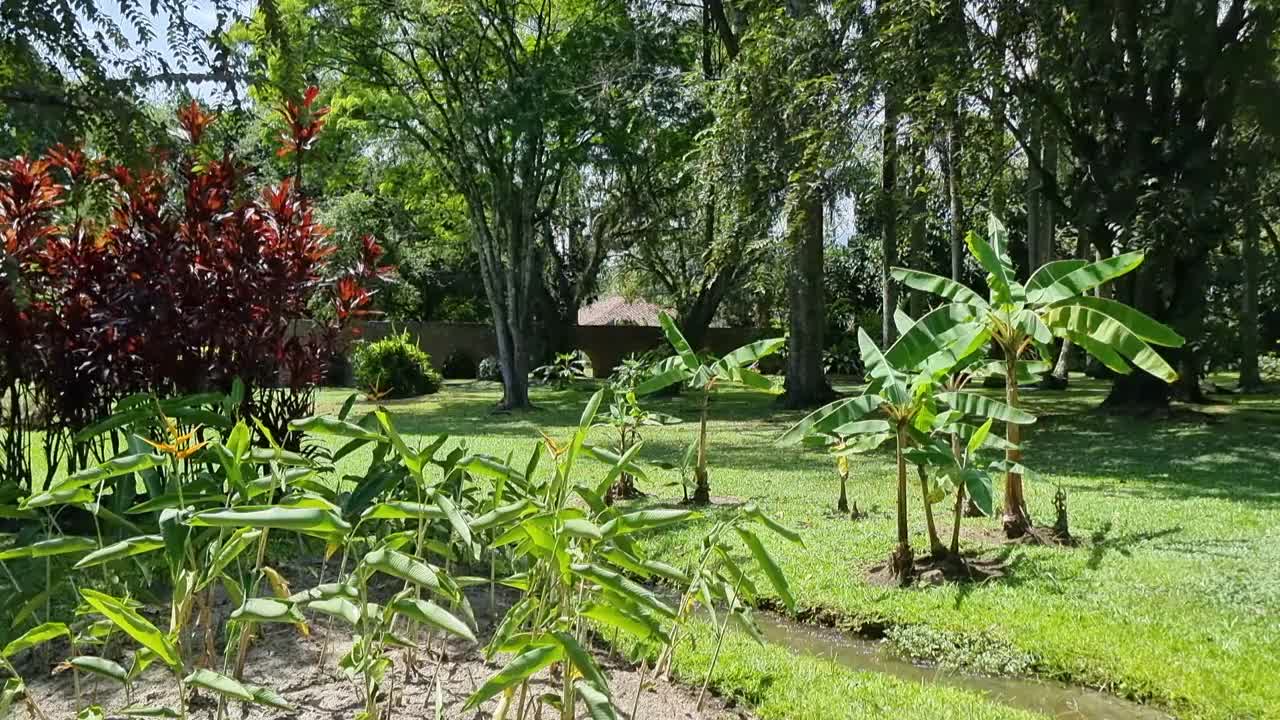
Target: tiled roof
<point x="617" y="310"/>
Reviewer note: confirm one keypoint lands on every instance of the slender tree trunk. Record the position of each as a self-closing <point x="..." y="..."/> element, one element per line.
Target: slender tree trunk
<point x="955" y="202"/>
<point x="1033" y="197"/>
<point x="889" y="214"/>
<point x="806" y="384"/>
<point x="919" y="238"/>
<point x="1016" y="520"/>
<point x="1250" y="378"/>
<point x="1048" y="218"/>
<point x="1062" y="368"/>
<point x="960" y="503"/>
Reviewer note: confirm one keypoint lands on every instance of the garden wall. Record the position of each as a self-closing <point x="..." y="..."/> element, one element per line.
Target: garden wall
<point x="605" y="345"/>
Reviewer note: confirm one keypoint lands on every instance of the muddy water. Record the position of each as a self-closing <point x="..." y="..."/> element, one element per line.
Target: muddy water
<point x="1056" y="700"/>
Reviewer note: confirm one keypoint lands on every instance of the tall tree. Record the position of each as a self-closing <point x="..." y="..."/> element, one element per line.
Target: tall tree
<point x="489" y="89"/>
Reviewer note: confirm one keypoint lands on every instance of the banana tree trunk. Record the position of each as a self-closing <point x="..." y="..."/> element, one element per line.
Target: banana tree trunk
<point x="1016" y="520"/>
<point x="902" y="561"/>
<point x="702" y="489"/>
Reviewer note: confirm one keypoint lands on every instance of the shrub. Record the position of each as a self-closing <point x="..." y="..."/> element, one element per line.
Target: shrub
<point x="459" y="366"/>
<point x="489" y="369"/>
<point x="394" y="367"/>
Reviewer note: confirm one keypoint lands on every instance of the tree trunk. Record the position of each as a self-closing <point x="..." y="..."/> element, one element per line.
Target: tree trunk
<point x="955" y="202"/>
<point x="889" y="214"/>
<point x="919" y="251"/>
<point x="1250" y="378"/>
<point x="806" y="384"/>
<point x="1034" y="202"/>
<point x="1016" y="520"/>
<point x="1048" y="219"/>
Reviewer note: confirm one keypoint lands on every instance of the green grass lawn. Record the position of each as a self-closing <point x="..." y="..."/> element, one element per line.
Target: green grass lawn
<point x="1172" y="597"/>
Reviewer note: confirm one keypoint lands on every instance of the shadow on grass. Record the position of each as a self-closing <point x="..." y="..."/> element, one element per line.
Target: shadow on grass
<point x="1102" y="542"/>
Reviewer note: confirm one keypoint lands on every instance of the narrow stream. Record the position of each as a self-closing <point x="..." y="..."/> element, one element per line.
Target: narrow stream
<point x="1053" y="699"/>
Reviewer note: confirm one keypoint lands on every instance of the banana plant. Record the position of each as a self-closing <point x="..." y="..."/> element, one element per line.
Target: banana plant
<point x="1017" y="319"/>
<point x="901" y="399"/>
<point x="625" y="418"/>
<point x="704" y="377"/>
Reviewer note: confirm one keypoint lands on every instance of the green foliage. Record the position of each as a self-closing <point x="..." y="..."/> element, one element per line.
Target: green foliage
<point x="395" y="367"/>
<point x="564" y="370"/>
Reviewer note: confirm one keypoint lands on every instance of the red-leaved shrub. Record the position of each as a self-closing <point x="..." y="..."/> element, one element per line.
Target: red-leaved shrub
<point x="172" y="279"/>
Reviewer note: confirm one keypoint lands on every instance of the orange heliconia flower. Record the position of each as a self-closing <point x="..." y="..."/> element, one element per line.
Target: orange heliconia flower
<point x="179" y="445"/>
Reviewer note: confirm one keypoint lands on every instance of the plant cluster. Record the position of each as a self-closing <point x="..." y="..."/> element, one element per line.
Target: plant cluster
<point x="415" y="520"/>
<point x="564" y="370"/>
<point x="915" y="394"/>
<point x="171" y="279"/>
<point x="394" y="367"/>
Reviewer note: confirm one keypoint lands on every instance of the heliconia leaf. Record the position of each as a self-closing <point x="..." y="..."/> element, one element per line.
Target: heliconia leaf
<point x="199" y="416"/>
<point x="267" y="610"/>
<point x="299" y="519"/>
<point x="517" y="671"/>
<point x="582" y="660"/>
<point x="428" y="613"/>
<point x="64" y="545"/>
<point x="220" y="684"/>
<point x="1082" y="279"/>
<point x="60" y="496"/>
<point x="582" y="528"/>
<point x="412" y="460"/>
<point x="860" y="444"/>
<point x="617" y="583"/>
<point x="599" y="706"/>
<point x="618" y="464"/>
<point x="938" y="285"/>
<point x="116" y="466"/>
<point x="664" y="374"/>
<point x="100" y="666"/>
<point x="133" y="625"/>
<point x="641" y="520"/>
<point x="633" y="624"/>
<point x="35" y="636"/>
<point x="829" y="417"/>
<point x="455" y="518"/>
<point x="500" y="515"/>
<point x="325" y="425"/>
<point x="768" y="565"/>
<point x="405" y="567"/>
<point x="324" y="592"/>
<point x="676" y="338"/>
<point x="488" y="466"/>
<point x="123" y="549"/>
<point x="262" y="456"/>
<point x="403" y="510"/>
<point x="115" y="422"/>
<point x="232" y="548"/>
<point x="337" y="607"/>
<point x="981" y="406"/>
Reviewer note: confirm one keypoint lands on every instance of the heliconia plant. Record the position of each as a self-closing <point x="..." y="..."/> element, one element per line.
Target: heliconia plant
<point x="704" y="376"/>
<point x="1017" y="320"/>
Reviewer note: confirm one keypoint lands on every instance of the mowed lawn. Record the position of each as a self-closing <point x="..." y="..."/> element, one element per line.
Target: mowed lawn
<point x="1172" y="596"/>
